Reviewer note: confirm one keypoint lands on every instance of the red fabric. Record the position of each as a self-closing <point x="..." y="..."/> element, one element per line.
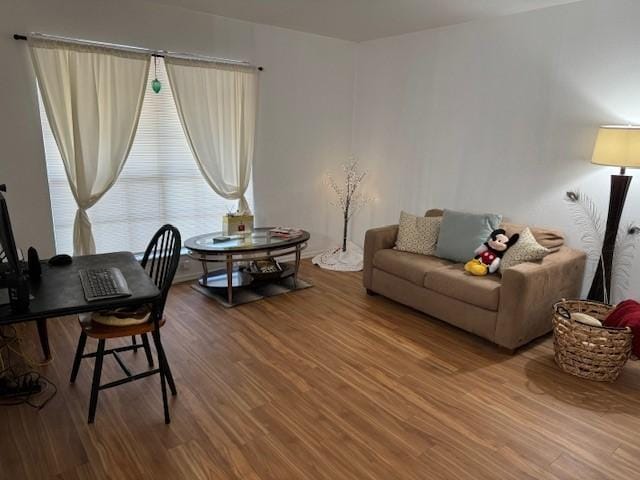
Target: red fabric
<point x="487" y="257"/>
<point x="623" y="309"/>
<point x="627" y="314"/>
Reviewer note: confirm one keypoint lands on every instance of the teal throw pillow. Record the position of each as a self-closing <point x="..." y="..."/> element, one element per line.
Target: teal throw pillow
<point x="461" y="233"/>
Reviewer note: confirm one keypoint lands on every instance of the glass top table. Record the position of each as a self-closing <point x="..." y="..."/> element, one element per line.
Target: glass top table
<point x="259" y="244"/>
<point x="260" y="239"/>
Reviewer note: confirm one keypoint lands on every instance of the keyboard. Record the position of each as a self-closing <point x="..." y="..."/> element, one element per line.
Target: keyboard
<point x="102" y="283"/>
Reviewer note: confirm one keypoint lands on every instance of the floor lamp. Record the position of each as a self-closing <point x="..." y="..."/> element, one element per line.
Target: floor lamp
<point x="616" y="146"/>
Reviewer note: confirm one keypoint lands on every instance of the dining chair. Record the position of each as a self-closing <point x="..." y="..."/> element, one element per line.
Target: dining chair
<point x="160" y="261"/>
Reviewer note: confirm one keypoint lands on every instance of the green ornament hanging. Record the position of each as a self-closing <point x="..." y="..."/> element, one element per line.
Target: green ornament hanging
<point x="155" y="84"/>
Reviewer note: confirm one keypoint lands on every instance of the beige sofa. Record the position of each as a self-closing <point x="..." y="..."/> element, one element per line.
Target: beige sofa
<point x="509" y="310"/>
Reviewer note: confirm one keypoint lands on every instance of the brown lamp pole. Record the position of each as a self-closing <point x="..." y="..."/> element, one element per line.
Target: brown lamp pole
<point x="615" y="146"/>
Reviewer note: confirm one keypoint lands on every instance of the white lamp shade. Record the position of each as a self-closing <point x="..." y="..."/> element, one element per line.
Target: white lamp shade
<point x="617" y="146"/>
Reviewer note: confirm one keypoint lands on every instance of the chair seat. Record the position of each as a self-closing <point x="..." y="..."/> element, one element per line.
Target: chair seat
<point x="123" y="317"/>
<point x="98" y="330"/>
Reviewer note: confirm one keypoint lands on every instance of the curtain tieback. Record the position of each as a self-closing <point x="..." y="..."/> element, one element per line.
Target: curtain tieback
<point x="243" y="205"/>
<point x="83" y="243"/>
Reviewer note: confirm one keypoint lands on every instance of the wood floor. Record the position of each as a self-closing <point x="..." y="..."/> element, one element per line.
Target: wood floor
<point x="326" y="383"/>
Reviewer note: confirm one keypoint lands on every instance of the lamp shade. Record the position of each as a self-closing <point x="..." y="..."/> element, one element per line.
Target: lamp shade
<point x="617" y="146"/>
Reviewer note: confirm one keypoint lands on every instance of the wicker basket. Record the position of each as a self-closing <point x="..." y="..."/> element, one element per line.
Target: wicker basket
<point x="594" y="353"/>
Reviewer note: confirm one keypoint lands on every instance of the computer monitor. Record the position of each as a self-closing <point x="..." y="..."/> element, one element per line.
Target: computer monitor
<point x="9" y="261"/>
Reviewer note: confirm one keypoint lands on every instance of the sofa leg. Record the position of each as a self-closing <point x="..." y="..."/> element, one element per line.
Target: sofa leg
<point x="371" y="293"/>
<point x="507" y="351"/>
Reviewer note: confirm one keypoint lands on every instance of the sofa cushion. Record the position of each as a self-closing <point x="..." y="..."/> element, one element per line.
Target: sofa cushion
<point x="453" y="281"/>
<point x="410" y="266"/>
<point x="434" y="212"/>
<point x="461" y="233"/>
<point x="548" y="238"/>
<point x="551" y="239"/>
<point x="417" y="234"/>
<point x="526" y="249"/>
<point x="453" y="311"/>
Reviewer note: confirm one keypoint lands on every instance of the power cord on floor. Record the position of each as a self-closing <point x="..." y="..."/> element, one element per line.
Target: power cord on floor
<point x="25" y="388"/>
<point x="7" y="340"/>
<point x="30" y="388"/>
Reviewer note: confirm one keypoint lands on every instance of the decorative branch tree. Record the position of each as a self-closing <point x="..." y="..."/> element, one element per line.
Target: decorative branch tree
<point x="350" y="198"/>
<point x="347" y="257"/>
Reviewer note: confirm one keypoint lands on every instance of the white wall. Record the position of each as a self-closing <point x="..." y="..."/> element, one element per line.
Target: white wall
<point x="498" y="115"/>
<point x="305" y="112"/>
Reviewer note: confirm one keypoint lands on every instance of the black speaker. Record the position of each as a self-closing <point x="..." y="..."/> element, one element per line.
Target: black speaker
<point x="33" y="260"/>
<point x="19" y="293"/>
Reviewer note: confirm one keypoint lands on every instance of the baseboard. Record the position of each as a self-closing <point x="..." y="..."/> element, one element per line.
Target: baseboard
<point x="186" y="277"/>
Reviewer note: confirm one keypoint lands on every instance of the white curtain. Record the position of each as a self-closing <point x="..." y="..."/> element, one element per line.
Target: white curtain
<point x="92" y="96"/>
<point x="217" y="106"/>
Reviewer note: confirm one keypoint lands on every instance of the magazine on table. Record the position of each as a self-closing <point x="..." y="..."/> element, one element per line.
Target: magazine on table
<point x="285" y="232"/>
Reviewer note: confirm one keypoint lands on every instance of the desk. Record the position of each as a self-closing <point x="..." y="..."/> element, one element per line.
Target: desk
<point x="59" y="292"/>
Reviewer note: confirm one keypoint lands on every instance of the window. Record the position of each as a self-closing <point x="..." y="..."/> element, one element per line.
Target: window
<point x="160" y="183"/>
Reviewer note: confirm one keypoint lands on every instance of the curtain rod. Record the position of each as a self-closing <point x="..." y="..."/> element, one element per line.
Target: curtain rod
<point x="153" y="53"/>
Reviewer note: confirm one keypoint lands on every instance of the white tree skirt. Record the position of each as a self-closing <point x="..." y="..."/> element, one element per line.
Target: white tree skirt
<point x="336" y="259"/>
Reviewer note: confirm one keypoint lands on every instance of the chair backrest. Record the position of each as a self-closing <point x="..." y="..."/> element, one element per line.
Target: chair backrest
<point x="161" y="260"/>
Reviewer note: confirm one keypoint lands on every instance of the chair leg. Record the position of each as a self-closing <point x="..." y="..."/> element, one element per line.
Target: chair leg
<point x="163" y="375"/>
<point x="167" y="369"/>
<point x="147" y="349"/>
<point x="97" y="372"/>
<point x="135" y="343"/>
<point x="82" y="341"/>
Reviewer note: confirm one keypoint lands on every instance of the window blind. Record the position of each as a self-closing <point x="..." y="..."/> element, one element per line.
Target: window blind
<point x="160" y="183"/>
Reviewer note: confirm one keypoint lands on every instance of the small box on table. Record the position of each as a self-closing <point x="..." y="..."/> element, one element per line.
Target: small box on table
<point x="235" y="224"/>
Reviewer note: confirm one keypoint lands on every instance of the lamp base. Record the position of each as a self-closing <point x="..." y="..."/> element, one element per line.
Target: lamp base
<point x="601" y="286"/>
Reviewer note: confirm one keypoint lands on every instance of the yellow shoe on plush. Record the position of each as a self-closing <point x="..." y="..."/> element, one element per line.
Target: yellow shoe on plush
<point x="476" y="267"/>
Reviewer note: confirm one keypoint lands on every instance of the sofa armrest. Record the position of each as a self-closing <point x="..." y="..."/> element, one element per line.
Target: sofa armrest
<point x="529" y="291"/>
<point x="376" y="239"/>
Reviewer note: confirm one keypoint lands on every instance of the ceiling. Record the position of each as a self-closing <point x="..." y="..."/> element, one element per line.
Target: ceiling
<point x="360" y="20"/>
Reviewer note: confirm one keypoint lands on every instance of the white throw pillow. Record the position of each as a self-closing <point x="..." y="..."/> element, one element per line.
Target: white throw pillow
<point x="526" y="249"/>
<point x="586" y="319"/>
<point x="418" y="234"/>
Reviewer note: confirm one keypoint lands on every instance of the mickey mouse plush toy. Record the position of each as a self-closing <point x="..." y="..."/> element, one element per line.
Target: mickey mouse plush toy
<point x="488" y="255"/>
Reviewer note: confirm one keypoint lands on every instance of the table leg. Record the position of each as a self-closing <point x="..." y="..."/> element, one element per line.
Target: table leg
<point x="229" y="280"/>
<point x="205" y="271"/>
<point x="297" y="266"/>
<point x="43" y="333"/>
